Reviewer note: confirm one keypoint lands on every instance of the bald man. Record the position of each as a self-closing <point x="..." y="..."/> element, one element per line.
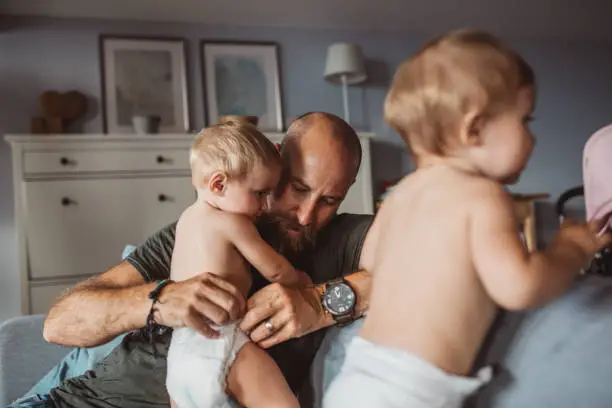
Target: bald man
<point x="321" y="156"/>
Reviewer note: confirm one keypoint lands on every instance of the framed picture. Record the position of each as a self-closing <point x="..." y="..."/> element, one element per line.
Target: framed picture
<point x="144" y="77"/>
<point x="242" y="78"/>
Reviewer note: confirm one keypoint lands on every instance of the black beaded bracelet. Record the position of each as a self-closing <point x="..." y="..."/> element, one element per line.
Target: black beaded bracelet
<point x="152" y="325"/>
<point x="154" y="294"/>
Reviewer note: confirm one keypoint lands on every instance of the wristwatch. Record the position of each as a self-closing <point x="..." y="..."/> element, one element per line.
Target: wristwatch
<point x="339" y="300"/>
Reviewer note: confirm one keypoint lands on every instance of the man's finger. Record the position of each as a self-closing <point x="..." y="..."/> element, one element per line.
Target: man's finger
<point x="255" y="316"/>
<point x="270" y="294"/>
<point x="277" y="322"/>
<point x="210" y="311"/>
<point x="221" y="299"/>
<point x="280" y="336"/>
<point x="234" y="301"/>
<point x="201" y="327"/>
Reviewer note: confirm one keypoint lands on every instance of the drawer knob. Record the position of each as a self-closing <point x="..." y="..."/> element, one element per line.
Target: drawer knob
<point x="64" y="161"/>
<point x="67" y="201"/>
<point x="163" y="198"/>
<point x="161" y="159"/>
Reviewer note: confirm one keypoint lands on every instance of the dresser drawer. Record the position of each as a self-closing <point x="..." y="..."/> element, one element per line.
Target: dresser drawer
<point x="80" y="227"/>
<point x="79" y="161"/>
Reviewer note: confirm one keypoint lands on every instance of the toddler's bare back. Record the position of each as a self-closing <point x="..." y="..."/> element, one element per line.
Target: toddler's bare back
<point x="427" y="298"/>
<point x="202" y="245"/>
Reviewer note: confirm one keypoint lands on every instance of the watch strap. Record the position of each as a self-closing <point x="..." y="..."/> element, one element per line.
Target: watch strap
<point x="335" y="281"/>
<point x="344" y="319"/>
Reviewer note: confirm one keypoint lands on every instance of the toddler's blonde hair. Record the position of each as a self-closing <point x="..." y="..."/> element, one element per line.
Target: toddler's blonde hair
<point x="232" y="147"/>
<point x="450" y="76"/>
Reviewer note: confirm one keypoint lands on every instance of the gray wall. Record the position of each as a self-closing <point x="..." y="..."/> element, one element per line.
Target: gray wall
<point x="574" y="97"/>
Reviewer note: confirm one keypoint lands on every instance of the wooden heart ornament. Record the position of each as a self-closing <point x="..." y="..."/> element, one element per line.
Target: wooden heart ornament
<point x="74" y="105"/>
<point x="51" y="104"/>
<point x="59" y="109"/>
<point x="68" y="106"/>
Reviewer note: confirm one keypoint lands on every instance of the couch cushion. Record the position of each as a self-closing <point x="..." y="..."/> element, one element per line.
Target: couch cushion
<point x="24" y="355"/>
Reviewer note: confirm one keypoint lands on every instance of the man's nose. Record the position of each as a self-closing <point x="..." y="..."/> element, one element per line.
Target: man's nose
<point x="306" y="212"/>
<point x="264" y="205"/>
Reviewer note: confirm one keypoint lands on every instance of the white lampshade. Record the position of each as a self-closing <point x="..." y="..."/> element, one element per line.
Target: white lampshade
<point x="345" y="60"/>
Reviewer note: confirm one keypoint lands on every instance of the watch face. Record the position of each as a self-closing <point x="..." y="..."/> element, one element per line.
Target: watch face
<point x="339" y="299"/>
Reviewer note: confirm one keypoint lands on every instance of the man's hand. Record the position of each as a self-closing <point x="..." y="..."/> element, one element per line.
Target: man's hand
<point x="199" y="302"/>
<point x="277" y="313"/>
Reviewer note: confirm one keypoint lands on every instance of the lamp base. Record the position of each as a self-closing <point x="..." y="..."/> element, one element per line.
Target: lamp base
<point x="347" y="115"/>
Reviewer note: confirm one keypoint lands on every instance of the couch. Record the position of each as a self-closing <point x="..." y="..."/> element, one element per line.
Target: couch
<point x="557" y="356"/>
<point x="25" y="357"/>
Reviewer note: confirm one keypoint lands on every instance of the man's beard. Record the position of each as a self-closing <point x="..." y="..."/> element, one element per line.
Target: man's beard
<point x="291" y="242"/>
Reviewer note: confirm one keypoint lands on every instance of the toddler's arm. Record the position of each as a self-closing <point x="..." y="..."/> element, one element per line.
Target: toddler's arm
<point x="273" y="266"/>
<point x="514" y="278"/>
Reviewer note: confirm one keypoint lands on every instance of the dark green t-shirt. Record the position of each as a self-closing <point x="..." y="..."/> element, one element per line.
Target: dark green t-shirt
<point x="132" y="376"/>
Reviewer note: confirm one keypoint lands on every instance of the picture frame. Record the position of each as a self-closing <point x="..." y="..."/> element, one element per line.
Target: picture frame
<point x="144" y="76"/>
<point x="243" y="78"/>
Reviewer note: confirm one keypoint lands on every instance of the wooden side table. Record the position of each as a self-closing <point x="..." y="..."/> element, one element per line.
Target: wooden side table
<point x="524" y="206"/>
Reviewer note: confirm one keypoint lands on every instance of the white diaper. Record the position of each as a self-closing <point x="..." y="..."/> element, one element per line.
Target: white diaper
<point x="382" y="377"/>
<point x="198" y="366"/>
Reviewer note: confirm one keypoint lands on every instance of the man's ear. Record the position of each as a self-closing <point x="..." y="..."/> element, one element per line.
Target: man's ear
<point x="471" y="128"/>
<point x="218" y="183"/>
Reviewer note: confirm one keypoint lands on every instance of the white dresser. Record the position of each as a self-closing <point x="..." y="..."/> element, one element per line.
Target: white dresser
<point x="79" y="199"/>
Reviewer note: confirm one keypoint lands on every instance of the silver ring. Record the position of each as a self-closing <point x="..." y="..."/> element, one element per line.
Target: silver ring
<point x="268" y="325"/>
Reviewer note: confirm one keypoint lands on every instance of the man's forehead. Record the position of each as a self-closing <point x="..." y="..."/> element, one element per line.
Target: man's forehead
<point x="319" y="173"/>
<point x="321" y="158"/>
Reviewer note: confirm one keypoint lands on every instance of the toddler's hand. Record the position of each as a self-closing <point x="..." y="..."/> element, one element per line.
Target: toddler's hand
<point x="589" y="237"/>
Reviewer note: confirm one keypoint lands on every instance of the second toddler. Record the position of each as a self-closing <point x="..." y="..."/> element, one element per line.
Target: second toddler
<point x="444" y="250"/>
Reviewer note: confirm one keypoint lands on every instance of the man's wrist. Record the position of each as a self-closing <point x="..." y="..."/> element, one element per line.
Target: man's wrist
<point x="360" y="283"/>
<point x="314" y="295"/>
<point x="341" y="310"/>
<point x="158" y="306"/>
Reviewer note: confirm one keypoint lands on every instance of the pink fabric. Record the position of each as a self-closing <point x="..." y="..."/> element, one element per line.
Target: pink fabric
<point x="597" y="174"/>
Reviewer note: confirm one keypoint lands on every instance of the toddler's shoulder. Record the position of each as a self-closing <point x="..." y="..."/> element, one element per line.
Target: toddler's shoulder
<point x="197" y="220"/>
<point x="486" y="189"/>
<point x="489" y="199"/>
<point x="232" y="223"/>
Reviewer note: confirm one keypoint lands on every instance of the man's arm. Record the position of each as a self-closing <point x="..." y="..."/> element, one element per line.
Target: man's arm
<point x="294" y="313"/>
<point x="116" y="301"/>
<point x="297" y="312"/>
<point x="100" y="308"/>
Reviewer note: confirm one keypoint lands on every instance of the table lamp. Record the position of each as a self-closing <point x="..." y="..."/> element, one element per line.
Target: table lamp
<point x="345" y="65"/>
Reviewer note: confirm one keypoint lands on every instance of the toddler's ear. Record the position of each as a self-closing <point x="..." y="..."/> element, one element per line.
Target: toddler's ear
<point x="218" y="183"/>
<point x="471" y="128"/>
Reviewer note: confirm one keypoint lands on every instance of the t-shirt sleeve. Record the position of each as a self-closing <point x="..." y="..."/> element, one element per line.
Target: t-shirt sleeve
<point x="339" y="248"/>
<point x="354" y="240"/>
<point x="152" y="259"/>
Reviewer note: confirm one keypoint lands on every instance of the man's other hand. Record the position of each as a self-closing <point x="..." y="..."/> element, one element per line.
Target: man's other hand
<point x="276" y="314"/>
